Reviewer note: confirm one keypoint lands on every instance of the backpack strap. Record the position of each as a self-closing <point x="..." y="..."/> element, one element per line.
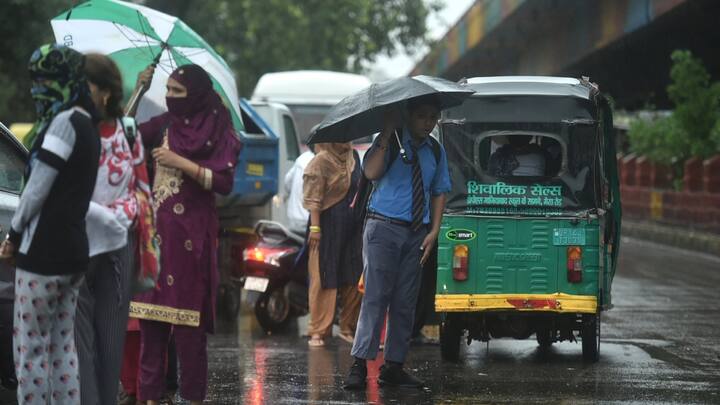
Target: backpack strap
<point x="395" y="149"/>
<point x="129" y="127"/>
<point x="365" y="187"/>
<point x="436" y="149"/>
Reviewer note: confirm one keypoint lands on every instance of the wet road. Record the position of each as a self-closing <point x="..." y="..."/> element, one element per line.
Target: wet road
<point x="660" y="344"/>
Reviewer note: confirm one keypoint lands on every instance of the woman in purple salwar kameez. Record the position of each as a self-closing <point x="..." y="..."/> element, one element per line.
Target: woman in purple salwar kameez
<point x="194" y="150"/>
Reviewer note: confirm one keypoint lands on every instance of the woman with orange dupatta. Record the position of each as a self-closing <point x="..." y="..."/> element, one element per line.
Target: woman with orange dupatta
<point x="334" y="240"/>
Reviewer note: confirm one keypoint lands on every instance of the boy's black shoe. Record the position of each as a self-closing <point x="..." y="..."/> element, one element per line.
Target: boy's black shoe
<point x="393" y="375"/>
<point x="357" y="377"/>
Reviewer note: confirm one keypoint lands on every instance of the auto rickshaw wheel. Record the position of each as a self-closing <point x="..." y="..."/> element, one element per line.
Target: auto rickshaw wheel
<point x="545" y="337"/>
<point x="450" y="337"/>
<point x="591" y="337"/>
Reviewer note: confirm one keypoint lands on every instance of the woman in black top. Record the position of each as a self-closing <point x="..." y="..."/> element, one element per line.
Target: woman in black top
<point x="47" y="236"/>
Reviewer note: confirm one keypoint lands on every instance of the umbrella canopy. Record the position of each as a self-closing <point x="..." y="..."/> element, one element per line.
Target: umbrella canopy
<point x="135" y="36"/>
<point x="361" y="114"/>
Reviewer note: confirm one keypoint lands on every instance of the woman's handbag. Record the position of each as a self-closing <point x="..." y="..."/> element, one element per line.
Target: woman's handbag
<point x="148" y="250"/>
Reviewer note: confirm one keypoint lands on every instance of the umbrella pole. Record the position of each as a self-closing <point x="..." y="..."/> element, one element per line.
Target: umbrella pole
<point x="131" y="107"/>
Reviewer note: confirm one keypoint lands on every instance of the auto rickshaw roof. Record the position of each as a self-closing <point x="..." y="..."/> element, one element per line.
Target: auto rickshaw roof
<point x="530" y="86"/>
<point x="527" y="99"/>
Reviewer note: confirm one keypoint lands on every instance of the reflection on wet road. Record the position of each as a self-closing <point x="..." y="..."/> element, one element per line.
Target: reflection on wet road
<point x="660" y="344"/>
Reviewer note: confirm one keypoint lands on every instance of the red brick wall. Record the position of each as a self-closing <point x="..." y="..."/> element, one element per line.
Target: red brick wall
<point x="711" y="174"/>
<point x="647" y="194"/>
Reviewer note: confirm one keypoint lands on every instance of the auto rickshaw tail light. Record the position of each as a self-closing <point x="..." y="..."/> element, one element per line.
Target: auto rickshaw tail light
<point x="460" y="262"/>
<point x="574" y="264"/>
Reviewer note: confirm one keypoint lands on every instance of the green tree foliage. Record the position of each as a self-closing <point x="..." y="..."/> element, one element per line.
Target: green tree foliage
<point x="664" y="141"/>
<point x="697" y="102"/>
<point x="257" y="37"/>
<point x="25" y="26"/>
<point x="661" y="140"/>
<point x="693" y="128"/>
<point x="254" y="36"/>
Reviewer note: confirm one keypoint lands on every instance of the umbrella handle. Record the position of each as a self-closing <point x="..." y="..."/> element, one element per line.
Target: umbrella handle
<point x="131" y="107"/>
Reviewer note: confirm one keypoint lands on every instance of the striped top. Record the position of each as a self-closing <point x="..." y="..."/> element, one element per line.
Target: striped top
<point x="49" y="224"/>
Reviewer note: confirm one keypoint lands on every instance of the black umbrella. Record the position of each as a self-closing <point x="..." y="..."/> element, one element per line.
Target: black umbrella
<point x="361" y="114"/>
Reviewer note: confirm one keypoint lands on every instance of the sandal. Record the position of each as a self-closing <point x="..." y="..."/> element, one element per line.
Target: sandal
<point x="316" y="341"/>
<point x="127" y="399"/>
<point x="168" y="399"/>
<point x="346" y="337"/>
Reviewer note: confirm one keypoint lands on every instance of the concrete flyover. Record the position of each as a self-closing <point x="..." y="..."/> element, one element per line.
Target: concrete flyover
<point x="624" y="45"/>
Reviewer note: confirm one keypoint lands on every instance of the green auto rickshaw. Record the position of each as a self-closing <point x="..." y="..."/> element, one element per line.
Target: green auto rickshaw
<point x="529" y="241"/>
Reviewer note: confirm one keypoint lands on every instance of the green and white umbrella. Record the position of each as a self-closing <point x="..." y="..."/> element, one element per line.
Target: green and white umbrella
<point x="135" y="36"/>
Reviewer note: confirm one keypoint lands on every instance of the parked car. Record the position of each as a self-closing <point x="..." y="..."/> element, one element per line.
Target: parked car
<point x="12" y="165"/>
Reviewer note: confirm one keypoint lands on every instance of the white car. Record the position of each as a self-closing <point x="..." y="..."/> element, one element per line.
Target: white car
<point x="12" y="166"/>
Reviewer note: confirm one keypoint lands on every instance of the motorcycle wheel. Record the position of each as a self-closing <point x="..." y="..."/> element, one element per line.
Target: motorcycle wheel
<point x="272" y="311"/>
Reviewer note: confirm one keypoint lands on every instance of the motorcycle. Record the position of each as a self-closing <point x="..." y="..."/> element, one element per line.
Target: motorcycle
<point x="274" y="278"/>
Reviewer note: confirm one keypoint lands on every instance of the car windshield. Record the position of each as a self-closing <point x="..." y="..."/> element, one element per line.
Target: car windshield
<point x="521" y="168"/>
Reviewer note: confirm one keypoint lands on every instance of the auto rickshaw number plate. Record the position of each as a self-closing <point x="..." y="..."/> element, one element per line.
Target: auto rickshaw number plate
<point x="568" y="236"/>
